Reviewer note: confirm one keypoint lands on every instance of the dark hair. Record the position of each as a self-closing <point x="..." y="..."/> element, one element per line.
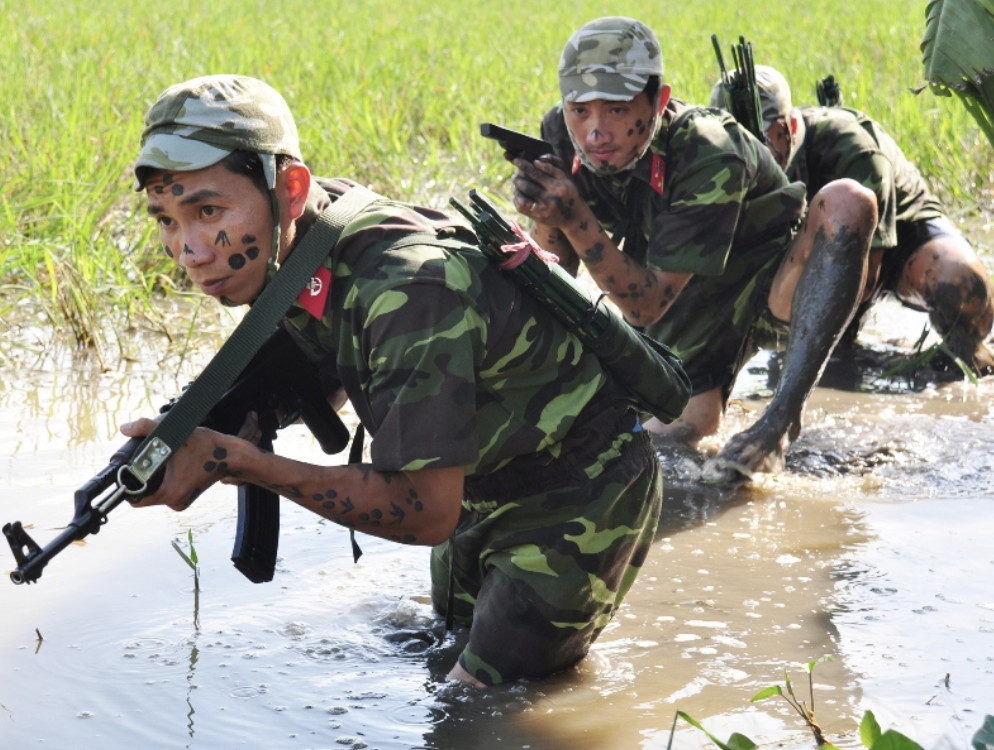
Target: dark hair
<point x="248" y="164"/>
<point x="652" y="87"/>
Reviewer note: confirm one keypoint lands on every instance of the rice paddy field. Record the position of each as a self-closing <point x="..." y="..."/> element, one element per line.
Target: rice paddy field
<point x="389" y="94"/>
<point x="873" y="547"/>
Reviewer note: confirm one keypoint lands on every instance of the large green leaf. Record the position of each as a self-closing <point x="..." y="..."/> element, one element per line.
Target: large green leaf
<point x="984" y="738"/>
<point x="958" y="53"/>
<point x="958" y="46"/>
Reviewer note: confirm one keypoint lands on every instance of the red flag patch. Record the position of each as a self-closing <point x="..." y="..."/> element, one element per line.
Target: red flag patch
<point x="658" y="173"/>
<point x="313" y="296"/>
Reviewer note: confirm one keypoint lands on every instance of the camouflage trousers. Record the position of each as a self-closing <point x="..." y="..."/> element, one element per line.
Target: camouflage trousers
<point x="538" y="576"/>
<point x="716" y="325"/>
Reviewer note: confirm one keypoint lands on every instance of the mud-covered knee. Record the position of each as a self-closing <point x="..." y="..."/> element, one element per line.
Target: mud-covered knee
<point x="847" y="203"/>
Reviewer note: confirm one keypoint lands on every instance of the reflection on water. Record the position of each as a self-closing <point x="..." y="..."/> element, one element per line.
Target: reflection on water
<point x="872" y="548"/>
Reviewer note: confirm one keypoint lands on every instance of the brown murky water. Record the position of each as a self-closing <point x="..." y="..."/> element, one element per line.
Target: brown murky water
<point x="874" y="548"/>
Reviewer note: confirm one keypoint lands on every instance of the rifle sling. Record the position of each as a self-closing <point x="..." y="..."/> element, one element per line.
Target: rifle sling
<point x="237" y="351"/>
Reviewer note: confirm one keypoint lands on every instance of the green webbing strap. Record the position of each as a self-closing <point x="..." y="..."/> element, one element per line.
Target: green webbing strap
<point x="255" y="328"/>
<point x="355" y="457"/>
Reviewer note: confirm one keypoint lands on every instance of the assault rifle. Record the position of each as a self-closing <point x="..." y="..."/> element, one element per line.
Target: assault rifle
<point x="515" y="144"/>
<point x="281" y="385"/>
<point x="647" y="369"/>
<point x="739" y="89"/>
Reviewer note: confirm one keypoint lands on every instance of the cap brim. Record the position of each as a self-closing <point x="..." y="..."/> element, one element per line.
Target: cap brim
<point x="621" y="89"/>
<point x="169" y="151"/>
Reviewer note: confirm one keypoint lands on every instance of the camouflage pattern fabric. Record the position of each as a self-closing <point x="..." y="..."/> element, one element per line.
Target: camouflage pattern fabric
<point x="196" y="123"/>
<point x="725" y="212"/>
<point x="449" y="363"/>
<point x="473" y="372"/>
<point x="540" y="575"/>
<point x="609" y="58"/>
<point x="841" y="142"/>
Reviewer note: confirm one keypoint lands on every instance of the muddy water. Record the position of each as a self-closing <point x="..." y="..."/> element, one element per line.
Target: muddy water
<point x="872" y="549"/>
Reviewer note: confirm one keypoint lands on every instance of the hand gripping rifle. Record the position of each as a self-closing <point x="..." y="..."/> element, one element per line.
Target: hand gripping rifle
<point x="281" y="385"/>
<point x="256" y="369"/>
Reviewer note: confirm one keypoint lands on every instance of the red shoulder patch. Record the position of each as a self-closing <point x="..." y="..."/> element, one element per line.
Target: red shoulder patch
<point x="314" y="296"/>
<point x="658" y="173"/>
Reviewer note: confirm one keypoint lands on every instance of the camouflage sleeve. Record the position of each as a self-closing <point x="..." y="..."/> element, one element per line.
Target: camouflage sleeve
<point x="705" y="186"/>
<point x="838" y="146"/>
<point x="421" y="344"/>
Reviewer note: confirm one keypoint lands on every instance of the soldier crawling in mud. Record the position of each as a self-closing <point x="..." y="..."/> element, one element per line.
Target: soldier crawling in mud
<point x="918" y="255"/>
<point x="497" y="436"/>
<point x="693" y="230"/>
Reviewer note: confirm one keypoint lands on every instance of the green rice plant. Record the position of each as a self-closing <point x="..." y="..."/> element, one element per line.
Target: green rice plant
<point x="191" y="560"/>
<point x="870" y="733"/>
<point x="735" y="742"/>
<point x="922" y="357"/>
<point x="799" y="706"/>
<point x="389" y="95"/>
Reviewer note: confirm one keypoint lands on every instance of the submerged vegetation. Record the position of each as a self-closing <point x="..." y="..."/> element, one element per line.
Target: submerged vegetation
<point x="389" y="95"/>
<point x="870" y="734"/>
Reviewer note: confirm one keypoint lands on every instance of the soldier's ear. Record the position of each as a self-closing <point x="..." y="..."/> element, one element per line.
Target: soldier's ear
<point x="664" y="97"/>
<point x="297" y="184"/>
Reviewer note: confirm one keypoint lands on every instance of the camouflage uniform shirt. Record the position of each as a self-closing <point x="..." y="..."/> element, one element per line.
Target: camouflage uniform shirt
<point x="448" y="363"/>
<point x="707" y="199"/>
<point x="445" y="361"/>
<point x="840" y="142"/>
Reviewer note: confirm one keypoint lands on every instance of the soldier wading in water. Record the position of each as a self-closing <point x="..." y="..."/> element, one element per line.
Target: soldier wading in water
<point x="497" y="437"/>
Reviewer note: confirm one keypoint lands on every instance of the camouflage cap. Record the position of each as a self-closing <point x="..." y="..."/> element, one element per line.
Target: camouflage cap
<point x="609" y="58"/>
<point x="774" y="95"/>
<point x="195" y="124"/>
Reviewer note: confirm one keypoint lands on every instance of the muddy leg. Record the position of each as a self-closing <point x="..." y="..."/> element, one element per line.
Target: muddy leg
<point x="945" y="278"/>
<point x="962" y="336"/>
<point x="823" y="303"/>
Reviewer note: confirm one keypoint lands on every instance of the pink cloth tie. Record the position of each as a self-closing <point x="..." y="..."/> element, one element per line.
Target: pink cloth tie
<point x="519" y="251"/>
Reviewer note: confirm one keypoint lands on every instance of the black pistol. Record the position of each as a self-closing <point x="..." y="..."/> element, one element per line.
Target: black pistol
<point x="516" y="144"/>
